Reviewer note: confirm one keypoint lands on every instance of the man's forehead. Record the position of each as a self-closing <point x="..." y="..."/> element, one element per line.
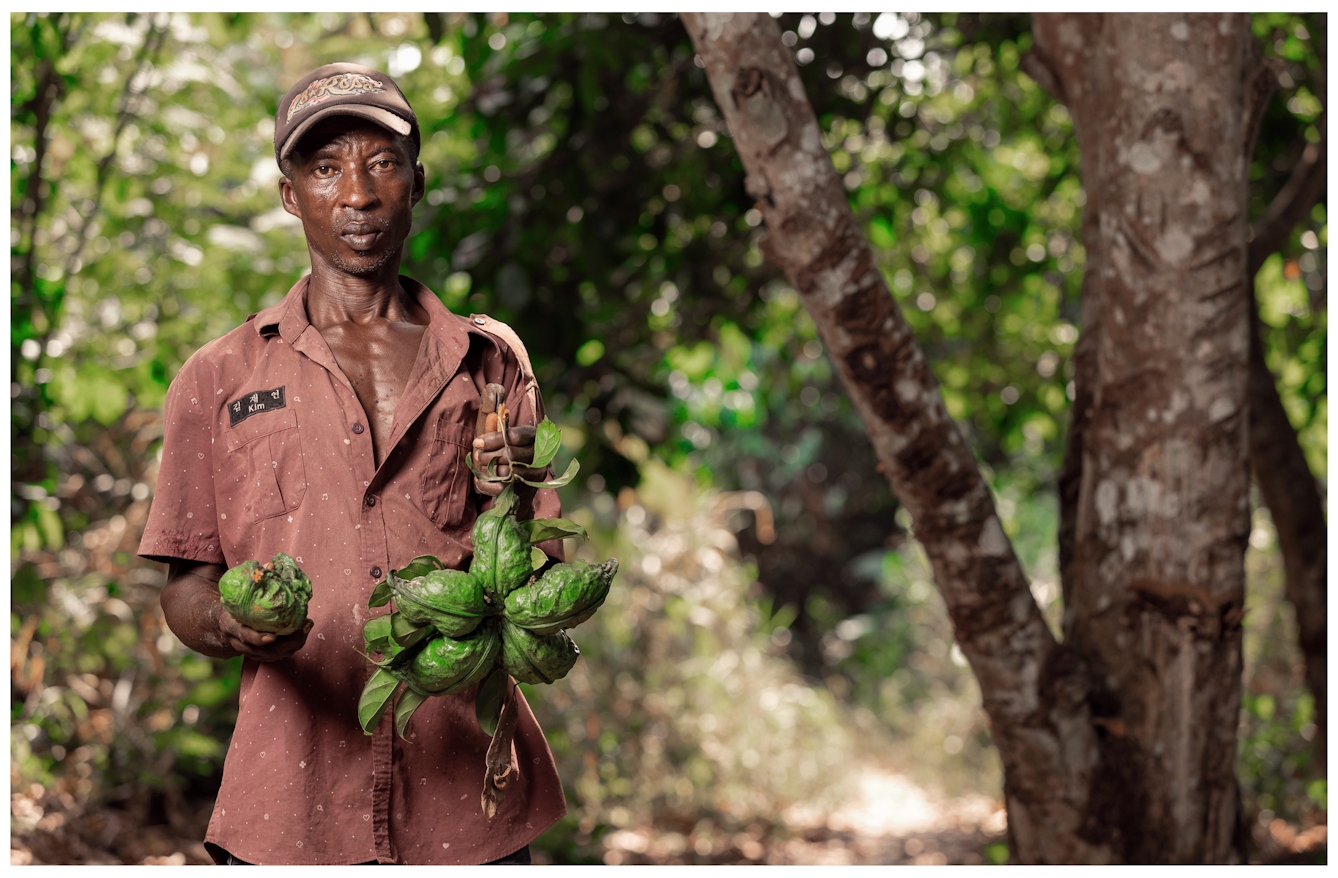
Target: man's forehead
<point x="340" y="131"/>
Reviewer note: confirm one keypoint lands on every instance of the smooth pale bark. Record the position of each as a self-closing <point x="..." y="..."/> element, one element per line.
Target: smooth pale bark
<point x="1032" y="687"/>
<point x="1157" y="478"/>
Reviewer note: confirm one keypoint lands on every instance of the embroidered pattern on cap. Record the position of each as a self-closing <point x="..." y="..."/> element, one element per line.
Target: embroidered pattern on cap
<point x="333" y="87"/>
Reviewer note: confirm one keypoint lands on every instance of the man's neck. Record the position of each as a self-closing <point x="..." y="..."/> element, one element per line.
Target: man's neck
<point x="335" y="297"/>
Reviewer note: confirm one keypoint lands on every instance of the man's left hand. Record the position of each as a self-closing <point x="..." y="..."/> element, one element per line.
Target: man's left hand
<point x="489" y="447"/>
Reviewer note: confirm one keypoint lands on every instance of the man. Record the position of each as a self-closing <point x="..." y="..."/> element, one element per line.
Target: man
<point x="333" y="427"/>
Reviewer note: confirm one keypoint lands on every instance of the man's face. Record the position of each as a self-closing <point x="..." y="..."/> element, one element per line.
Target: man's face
<point x="354" y="186"/>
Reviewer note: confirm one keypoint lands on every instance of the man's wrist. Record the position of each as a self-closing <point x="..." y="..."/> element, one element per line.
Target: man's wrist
<point x="215" y="642"/>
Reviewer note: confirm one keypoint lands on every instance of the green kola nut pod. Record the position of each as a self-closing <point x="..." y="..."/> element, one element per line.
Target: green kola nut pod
<point x="501" y="552"/>
<point x="451" y="601"/>
<point x="535" y="658"/>
<point x="564" y="597"/>
<point x="448" y="664"/>
<point x="270" y="597"/>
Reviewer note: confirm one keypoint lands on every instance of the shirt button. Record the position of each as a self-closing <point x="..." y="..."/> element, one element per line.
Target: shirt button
<point x="376" y="572"/>
<point x="357" y="428"/>
<point x="371" y="501"/>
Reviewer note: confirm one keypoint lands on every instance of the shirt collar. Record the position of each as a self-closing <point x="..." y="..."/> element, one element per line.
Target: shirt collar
<point x="289" y="316"/>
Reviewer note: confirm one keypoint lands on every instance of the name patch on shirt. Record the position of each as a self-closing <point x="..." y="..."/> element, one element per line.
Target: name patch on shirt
<point x="254" y="403"/>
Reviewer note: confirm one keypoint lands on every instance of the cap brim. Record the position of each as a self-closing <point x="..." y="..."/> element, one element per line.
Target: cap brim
<point x="382" y="117"/>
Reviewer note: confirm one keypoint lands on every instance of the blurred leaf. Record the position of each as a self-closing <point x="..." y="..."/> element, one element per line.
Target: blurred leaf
<point x="27" y="587"/>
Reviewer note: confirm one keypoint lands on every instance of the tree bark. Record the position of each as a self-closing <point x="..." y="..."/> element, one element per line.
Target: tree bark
<point x="1160" y="511"/>
<point x="1119" y="745"/>
<point x="1032" y="687"/>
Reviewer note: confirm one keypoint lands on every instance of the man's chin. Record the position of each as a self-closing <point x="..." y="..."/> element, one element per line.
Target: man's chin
<point x="362" y="266"/>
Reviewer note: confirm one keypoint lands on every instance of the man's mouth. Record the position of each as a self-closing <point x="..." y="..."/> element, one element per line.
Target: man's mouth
<point x="360" y="236"/>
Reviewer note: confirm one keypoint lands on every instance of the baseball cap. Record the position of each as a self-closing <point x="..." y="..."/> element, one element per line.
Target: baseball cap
<point x="341" y="89"/>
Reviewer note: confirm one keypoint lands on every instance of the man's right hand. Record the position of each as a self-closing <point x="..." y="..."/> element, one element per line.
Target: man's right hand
<point x="260" y="646"/>
<point x="196" y="616"/>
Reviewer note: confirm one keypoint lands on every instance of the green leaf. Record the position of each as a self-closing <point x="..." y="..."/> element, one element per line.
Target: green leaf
<point x="547" y="441"/>
<point x="561" y="480"/>
<point x="405" y="707"/>
<point x="554" y="529"/>
<point x="489" y="476"/>
<point x="376" y="632"/>
<point x="488" y="701"/>
<point x="405" y="633"/>
<point x="381" y="594"/>
<point x="504" y="501"/>
<point x="375" y="698"/>
<point x="420" y="566"/>
<point x="537" y="558"/>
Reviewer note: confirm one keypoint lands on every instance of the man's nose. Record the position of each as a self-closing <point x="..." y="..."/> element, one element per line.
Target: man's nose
<point x="358" y="190"/>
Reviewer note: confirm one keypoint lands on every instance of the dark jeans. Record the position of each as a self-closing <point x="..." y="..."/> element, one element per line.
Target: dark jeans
<point x="519" y="858"/>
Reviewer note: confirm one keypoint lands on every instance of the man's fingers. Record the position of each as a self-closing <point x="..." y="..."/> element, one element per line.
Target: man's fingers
<point x="516" y="437"/>
<point x="488" y="442"/>
<point x="274" y="647"/>
<point x="522" y="435"/>
<point x="243" y="634"/>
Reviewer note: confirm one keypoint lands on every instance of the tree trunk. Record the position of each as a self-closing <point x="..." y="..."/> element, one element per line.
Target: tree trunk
<point x="1156" y="573"/>
<point x="1156" y="579"/>
<point x="1031" y="686"/>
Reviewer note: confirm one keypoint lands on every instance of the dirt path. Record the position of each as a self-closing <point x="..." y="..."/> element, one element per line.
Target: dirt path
<point x="890" y="820"/>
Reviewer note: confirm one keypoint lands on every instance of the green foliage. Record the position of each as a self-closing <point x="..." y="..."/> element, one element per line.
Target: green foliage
<point x="582" y="186"/>
<point x="1276" y="745"/>
<point x="105" y="703"/>
<point x="683" y="719"/>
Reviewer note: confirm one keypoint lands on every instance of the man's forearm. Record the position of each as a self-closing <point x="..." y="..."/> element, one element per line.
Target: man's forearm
<point x="191" y="607"/>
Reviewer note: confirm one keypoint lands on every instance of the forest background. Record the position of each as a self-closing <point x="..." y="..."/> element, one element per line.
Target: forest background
<point x="775" y="630"/>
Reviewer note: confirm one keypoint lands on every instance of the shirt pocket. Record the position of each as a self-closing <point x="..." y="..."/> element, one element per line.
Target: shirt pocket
<point x="445" y="477"/>
<point x="265" y="452"/>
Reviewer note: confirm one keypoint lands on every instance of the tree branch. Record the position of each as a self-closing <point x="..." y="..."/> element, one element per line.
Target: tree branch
<point x="1292" y="497"/>
<point x="1032" y="688"/>
<point x="1259" y="92"/>
<point x="1291" y="205"/>
<point x="153" y="41"/>
<point x="1280" y="468"/>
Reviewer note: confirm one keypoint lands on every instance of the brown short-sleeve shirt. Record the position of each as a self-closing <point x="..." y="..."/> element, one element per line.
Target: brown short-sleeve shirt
<point x="267" y="450"/>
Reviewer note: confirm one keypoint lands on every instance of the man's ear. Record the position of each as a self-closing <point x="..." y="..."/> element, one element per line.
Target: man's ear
<point x="419" y="182"/>
<point x="288" y="197"/>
